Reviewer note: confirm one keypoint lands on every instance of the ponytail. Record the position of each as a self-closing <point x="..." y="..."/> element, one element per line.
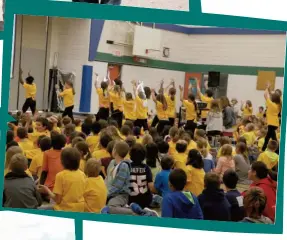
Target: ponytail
<point x="88" y="156"/>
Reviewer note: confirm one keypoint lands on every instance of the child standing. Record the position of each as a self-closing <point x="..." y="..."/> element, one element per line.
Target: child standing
<point x="225" y="161"/>
<point x="195" y="173"/>
<point x="270" y="157"/>
<point x="213" y="202"/>
<point x="214" y="120"/>
<point x="95" y="193"/>
<point x="178" y="203"/>
<point x="19" y="189"/>
<point x="68" y="96"/>
<point x="68" y="192"/>
<point x="129" y="107"/>
<point x="230" y="179"/>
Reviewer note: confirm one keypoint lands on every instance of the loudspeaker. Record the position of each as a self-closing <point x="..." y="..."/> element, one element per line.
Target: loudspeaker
<point x="213" y="79"/>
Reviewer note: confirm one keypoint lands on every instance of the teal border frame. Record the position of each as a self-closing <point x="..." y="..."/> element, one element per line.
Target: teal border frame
<point x="194" y="17"/>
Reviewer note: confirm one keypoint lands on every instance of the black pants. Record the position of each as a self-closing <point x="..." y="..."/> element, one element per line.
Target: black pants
<point x="103" y="113"/>
<point x="211" y="134"/>
<point x="29" y="103"/>
<point x="69" y="112"/>
<point x="190" y="126"/>
<point x="141" y="123"/>
<point x="271" y="134"/>
<point x="161" y="125"/>
<point x="118" y="116"/>
<point x="154" y="121"/>
<point x="171" y="121"/>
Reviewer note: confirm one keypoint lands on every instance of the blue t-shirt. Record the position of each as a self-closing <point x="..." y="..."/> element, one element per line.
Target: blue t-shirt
<point x="208" y="165"/>
<point x="161" y="182"/>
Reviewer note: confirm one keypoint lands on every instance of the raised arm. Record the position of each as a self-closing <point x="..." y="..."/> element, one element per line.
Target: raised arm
<point x="153" y="95"/>
<point x="267" y="92"/>
<point x="97" y="81"/>
<point x="21" y="76"/>
<point x="198" y="88"/>
<point x="171" y="84"/>
<point x="134" y="83"/>
<point x="181" y="93"/>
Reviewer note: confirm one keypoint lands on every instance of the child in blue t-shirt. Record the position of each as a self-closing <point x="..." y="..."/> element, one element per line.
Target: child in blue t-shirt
<point x="161" y="180"/>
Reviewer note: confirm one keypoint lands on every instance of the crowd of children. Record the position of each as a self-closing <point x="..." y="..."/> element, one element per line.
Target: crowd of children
<point x="120" y="163"/>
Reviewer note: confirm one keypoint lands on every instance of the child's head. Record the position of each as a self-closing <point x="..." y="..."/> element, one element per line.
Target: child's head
<point x="173" y="133"/>
<point x="209" y="93"/>
<point x="86" y="128"/>
<point x="126" y="130"/>
<point x="195" y="159"/>
<point x="258" y="171"/>
<point x="120" y="150"/>
<point x="167" y="162"/>
<point x="66" y="120"/>
<point x="29" y="80"/>
<point x="10" y="153"/>
<point x="177" y="179"/>
<point x="276" y="98"/>
<point x="76" y="140"/>
<point x="22" y="133"/>
<point x="93" y="167"/>
<point x="224" y="140"/>
<point x="147" y="138"/>
<point x="129" y="123"/>
<point x="153" y="132"/>
<point x="202" y="147"/>
<point x="261" y="109"/>
<point x="113" y="123"/>
<point x="137" y="131"/>
<point x="254" y="202"/>
<point x="41" y="124"/>
<point x="77" y="122"/>
<point x="69" y="129"/>
<point x="181" y="146"/>
<point x="248" y="103"/>
<point x="70" y="158"/>
<point x="95" y="127"/>
<point x="234" y="101"/>
<point x="191" y="97"/>
<point x="230" y="179"/>
<point x="131" y="141"/>
<point x="186" y="137"/>
<point x="110" y="147"/>
<point x="226" y="150"/>
<point x="263" y="132"/>
<point x="212" y="181"/>
<point x="58" y="141"/>
<point x="44" y="143"/>
<point x="172" y="93"/>
<point x="9" y="136"/>
<point x="215" y="106"/>
<point x="242" y="140"/>
<point x="129" y="96"/>
<point x="18" y="164"/>
<point x="200" y="133"/>
<point x="151" y="154"/>
<point x="83" y="148"/>
<point x="241" y="148"/>
<point x="104" y="140"/>
<point x="272" y="145"/>
<point x="250" y="127"/>
<point x="163" y="147"/>
<point x="104" y="85"/>
<point x="138" y="153"/>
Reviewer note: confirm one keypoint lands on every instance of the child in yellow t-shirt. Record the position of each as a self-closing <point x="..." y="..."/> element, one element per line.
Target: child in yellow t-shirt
<point x="93" y="140"/>
<point x="125" y="131"/>
<point x="68" y="192"/>
<point x="222" y="142"/>
<point x="68" y="96"/>
<point x="247" y="109"/>
<point x="25" y="144"/>
<point x="78" y="124"/>
<point x="137" y="134"/>
<point x="173" y="133"/>
<point x="83" y="148"/>
<point x="129" y="107"/>
<point x="44" y="144"/>
<point x="269" y="156"/>
<point x="261" y="138"/>
<point x="260" y="113"/>
<point x="102" y="152"/>
<point x="249" y="134"/>
<point x="180" y="157"/>
<point x="96" y="192"/>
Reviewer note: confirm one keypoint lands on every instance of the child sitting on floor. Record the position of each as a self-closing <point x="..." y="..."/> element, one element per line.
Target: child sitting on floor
<point x="225" y="161"/>
<point x="103" y="153"/>
<point x="270" y="157"/>
<point x="180" y="157"/>
<point x="207" y="157"/>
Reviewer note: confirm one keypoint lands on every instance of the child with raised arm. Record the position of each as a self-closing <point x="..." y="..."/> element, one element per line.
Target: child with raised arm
<point x="68" y="95"/>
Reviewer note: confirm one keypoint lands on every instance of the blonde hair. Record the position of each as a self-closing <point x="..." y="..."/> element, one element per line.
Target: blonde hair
<point x="250" y="127"/>
<point x="10" y="153"/>
<point x="147" y="139"/>
<point x="226" y="150"/>
<point x="18" y="163"/>
<point x="93" y="167"/>
<point x="202" y="147"/>
<point x="215" y="106"/>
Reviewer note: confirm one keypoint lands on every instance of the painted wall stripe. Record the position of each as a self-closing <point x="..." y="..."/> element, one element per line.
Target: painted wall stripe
<point x="95" y="37"/>
<point x="176" y="66"/>
<point x="86" y="90"/>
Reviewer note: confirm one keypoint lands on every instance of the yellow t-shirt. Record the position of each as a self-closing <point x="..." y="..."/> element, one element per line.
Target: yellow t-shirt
<point x="95" y="194"/>
<point x="170" y="106"/>
<point x="191" y="145"/>
<point x="250" y="138"/>
<point x="190" y="110"/>
<point x="129" y="109"/>
<point x="172" y="146"/>
<point x="104" y="100"/>
<point x="141" y="108"/>
<point x="220" y="155"/>
<point x="247" y="111"/>
<point x="31" y="90"/>
<point x="261" y="143"/>
<point x="139" y="140"/>
<point x="36" y="164"/>
<point x="272" y="113"/>
<point x="161" y="113"/>
<point x="78" y="129"/>
<point x="93" y="142"/>
<point x="195" y="180"/>
<point x="207" y="100"/>
<point x="71" y="186"/>
<point x="269" y="158"/>
<point x="68" y="97"/>
<point x="57" y="129"/>
<point x="35" y="135"/>
<point x="82" y="165"/>
<point x="99" y="154"/>
<point x="180" y="160"/>
<point x="32" y="153"/>
<point x="260" y="115"/>
<point x="117" y="100"/>
<point x="26" y="145"/>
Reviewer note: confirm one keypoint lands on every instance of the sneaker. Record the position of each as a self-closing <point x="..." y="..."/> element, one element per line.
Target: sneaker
<point x="150" y="213"/>
<point x="105" y="210"/>
<point x="137" y="209"/>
